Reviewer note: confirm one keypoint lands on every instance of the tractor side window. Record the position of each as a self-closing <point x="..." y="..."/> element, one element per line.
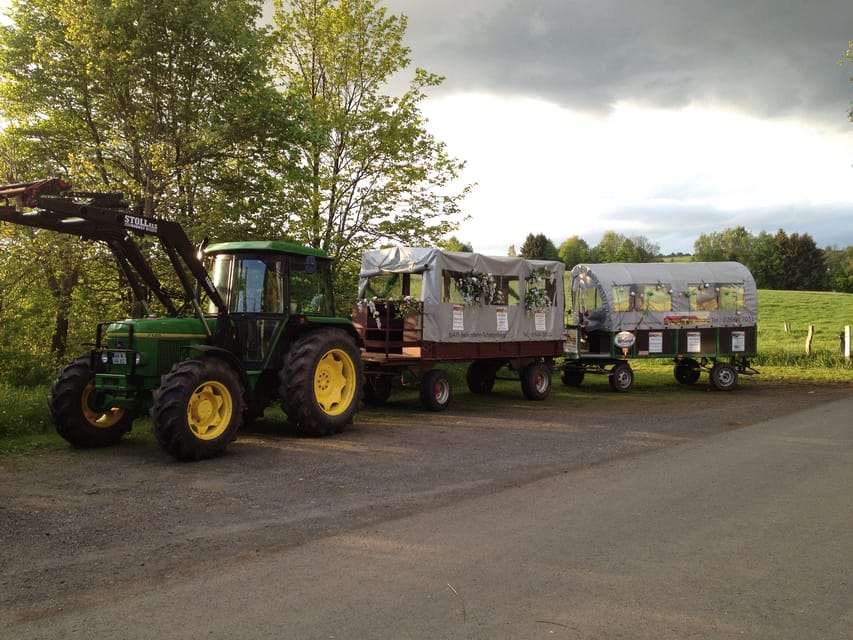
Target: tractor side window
<point x="310" y="292"/>
<point x="272" y="300"/>
<point x="248" y="286"/>
<point x="220" y="272"/>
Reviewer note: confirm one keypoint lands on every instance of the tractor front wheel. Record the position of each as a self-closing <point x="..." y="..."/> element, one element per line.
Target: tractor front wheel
<point x="321" y="382"/>
<point x="198" y="409"/>
<point x="75" y="414"/>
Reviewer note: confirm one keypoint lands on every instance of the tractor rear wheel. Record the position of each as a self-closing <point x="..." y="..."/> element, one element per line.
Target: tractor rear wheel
<point x="74" y="416"/>
<point x="321" y="382"/>
<point x="198" y="409"/>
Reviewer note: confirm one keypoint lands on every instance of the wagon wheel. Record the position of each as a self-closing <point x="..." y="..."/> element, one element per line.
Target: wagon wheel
<point x="621" y="377"/>
<point x="436" y="390"/>
<point x="687" y="371"/>
<point x="723" y="377"/>
<point x="572" y="376"/>
<point x="536" y="381"/>
<point x="481" y="376"/>
<point x="377" y="390"/>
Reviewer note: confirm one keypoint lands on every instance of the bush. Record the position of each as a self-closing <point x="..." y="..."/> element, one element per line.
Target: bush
<point x="23" y="410"/>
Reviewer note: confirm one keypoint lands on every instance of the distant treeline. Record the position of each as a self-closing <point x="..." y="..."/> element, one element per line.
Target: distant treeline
<point x="777" y="261"/>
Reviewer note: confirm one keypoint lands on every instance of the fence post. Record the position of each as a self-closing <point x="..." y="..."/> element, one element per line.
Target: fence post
<point x="809" y="340"/>
<point x="787" y="327"/>
<point x="847" y="344"/>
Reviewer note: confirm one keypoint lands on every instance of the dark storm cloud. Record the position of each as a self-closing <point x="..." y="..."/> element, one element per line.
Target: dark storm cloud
<point x="770" y="58"/>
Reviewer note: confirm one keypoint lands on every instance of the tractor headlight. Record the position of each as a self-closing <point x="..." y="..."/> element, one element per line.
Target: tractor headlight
<point x="105" y="357"/>
<point x="138" y="359"/>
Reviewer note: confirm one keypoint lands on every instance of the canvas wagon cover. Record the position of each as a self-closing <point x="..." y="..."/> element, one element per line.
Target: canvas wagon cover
<point x="448" y="321"/>
<point x="664" y="295"/>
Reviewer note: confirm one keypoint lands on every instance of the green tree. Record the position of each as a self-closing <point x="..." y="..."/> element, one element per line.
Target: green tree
<point x="454" y="244"/>
<point x="732" y="244"/>
<point x="538" y="247"/>
<point x="839" y="266"/>
<point x="372" y="171"/>
<point x="574" y="250"/>
<point x="169" y="102"/>
<point x="615" y="247"/>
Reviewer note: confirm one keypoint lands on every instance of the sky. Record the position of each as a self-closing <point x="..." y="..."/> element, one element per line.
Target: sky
<point x="661" y="118"/>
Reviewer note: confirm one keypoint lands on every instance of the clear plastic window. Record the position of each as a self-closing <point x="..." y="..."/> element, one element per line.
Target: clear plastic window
<point x="732" y="297"/>
<point x="623" y="297"/>
<point x="703" y="297"/>
<point x="653" y="297"/>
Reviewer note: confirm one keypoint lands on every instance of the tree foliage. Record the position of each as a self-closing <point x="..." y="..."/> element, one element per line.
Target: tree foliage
<point x="167" y="101"/>
<point x="538" y="247"/>
<point x="372" y="171"/>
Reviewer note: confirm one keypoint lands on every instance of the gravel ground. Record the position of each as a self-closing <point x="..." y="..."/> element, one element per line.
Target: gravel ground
<point x="79" y="526"/>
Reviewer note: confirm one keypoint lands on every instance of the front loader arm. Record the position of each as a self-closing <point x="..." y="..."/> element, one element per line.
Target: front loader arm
<point x="106" y="217"/>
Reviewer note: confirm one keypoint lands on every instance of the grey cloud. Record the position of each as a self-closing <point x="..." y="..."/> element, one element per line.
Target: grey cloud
<point x="771" y="58"/>
<point x="676" y="226"/>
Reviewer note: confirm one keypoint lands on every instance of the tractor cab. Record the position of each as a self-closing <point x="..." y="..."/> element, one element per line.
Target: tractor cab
<point x="264" y="284"/>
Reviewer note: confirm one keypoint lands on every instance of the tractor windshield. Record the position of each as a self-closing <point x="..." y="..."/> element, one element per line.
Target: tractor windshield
<point x="273" y="284"/>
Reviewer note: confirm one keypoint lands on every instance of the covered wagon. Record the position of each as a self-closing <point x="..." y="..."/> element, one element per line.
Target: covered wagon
<point x="418" y="307"/>
<point x="703" y="315"/>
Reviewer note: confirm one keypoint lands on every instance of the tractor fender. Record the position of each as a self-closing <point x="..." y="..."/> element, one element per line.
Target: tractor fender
<point x="232" y="360"/>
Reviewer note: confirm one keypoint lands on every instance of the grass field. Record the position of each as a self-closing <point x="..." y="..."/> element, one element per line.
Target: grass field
<point x="25" y="422"/>
<point x="828" y="312"/>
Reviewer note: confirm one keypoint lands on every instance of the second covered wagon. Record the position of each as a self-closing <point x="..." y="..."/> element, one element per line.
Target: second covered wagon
<point x="703" y="315"/>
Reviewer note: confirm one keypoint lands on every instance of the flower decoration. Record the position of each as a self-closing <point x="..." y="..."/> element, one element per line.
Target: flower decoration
<point x="536" y="296"/>
<point x="370" y="305"/>
<point x="407" y="306"/>
<point x="477" y="288"/>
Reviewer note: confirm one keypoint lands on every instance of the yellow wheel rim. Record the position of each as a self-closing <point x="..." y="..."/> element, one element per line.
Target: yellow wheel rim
<point x="335" y="382"/>
<point x="210" y="410"/>
<point x="99" y="419"/>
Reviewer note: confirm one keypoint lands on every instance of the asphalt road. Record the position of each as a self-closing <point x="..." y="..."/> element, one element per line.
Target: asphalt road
<point x="745" y="534"/>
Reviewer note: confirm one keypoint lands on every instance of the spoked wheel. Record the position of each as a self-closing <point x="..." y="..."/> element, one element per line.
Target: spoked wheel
<point x="198" y="409"/>
<point x="536" y="381"/>
<point x="572" y="376"/>
<point x="723" y="377"/>
<point x="621" y="377"/>
<point x="687" y="371"/>
<point x="75" y="414"/>
<point x="436" y="390"/>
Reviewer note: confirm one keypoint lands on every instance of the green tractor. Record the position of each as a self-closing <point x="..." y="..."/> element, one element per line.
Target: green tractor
<point x="254" y="322"/>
